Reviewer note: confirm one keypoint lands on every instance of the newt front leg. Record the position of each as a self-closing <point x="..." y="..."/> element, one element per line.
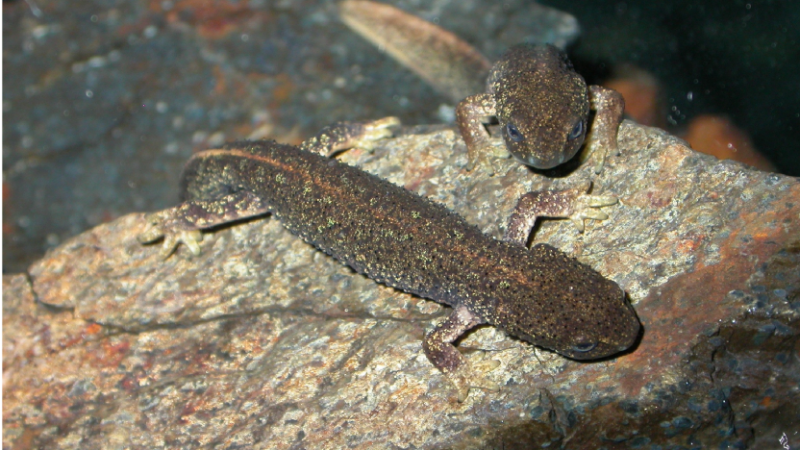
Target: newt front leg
<point x="471" y="114"/>
<point x="574" y="204"/>
<point x="609" y="106"/>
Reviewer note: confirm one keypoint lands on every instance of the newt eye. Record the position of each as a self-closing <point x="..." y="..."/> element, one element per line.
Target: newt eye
<point x="513" y="133"/>
<point x="577" y="131"/>
<point x="583" y="347"/>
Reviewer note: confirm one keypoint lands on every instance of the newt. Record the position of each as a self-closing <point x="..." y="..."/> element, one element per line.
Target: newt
<point x="541" y="103"/>
<point x="405" y="241"/>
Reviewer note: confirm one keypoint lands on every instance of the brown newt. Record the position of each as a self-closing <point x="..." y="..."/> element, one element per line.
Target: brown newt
<point x="543" y="106"/>
<point x="541" y="103"/>
<point x="405" y="241"/>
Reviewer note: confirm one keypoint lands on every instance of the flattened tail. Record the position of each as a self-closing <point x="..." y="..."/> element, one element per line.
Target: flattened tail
<point x="450" y="65"/>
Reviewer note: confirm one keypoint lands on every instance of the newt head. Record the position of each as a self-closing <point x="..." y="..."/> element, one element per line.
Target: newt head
<point x="542" y="105"/>
<point x="568" y="308"/>
<point x="612" y="332"/>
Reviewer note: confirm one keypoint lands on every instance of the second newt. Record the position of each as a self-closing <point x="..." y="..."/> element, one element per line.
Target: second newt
<point x="540" y="101"/>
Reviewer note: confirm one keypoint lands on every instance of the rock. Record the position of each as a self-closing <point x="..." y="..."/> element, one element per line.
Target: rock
<point x="719" y="136"/>
<point x="643" y="93"/>
<point x="708" y="133"/>
<point x="263" y="342"/>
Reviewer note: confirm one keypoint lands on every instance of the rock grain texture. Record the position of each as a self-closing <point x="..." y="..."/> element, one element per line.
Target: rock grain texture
<point x="263" y="342"/>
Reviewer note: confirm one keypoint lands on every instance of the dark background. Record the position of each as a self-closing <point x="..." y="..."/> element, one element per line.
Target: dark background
<point x="737" y="58"/>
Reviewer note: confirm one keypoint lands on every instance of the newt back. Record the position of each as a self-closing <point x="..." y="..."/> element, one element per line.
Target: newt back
<point x="413" y="244"/>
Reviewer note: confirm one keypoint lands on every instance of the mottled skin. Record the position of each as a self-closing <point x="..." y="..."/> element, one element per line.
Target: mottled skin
<point x="543" y="106"/>
<point x="405" y="241"/>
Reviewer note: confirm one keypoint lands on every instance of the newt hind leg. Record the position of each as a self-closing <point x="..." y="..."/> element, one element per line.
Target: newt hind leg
<point x="182" y="224"/>
<point x="439" y="348"/>
<point x="346" y="135"/>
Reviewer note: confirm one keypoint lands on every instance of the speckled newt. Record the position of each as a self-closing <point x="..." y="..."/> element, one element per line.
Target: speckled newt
<point x="404" y="241"/>
<point x="541" y="103"/>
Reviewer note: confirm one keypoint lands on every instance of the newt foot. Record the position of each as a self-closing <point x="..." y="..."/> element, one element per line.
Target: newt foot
<point x="470" y="377"/>
<point x="163" y="224"/>
<point x="346" y="135"/>
<point x="375" y="131"/>
<point x="365" y="135"/>
<point x="574" y="204"/>
<point x="485" y="154"/>
<point x="586" y="208"/>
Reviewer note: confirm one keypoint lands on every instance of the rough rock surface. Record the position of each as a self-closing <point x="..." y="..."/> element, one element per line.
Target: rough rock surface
<point x="263" y="342"/>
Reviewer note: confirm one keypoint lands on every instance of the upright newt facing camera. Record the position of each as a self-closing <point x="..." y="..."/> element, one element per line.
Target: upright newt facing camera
<point x="542" y="104"/>
<point x="404" y="241"/>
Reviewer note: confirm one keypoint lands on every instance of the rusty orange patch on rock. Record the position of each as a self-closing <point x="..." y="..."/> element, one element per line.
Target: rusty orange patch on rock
<point x="284" y="88"/>
<point x="718" y="136"/>
<point x="668" y="316"/>
<point x="94" y="328"/>
<point x="212" y="19"/>
<point x="115" y="353"/>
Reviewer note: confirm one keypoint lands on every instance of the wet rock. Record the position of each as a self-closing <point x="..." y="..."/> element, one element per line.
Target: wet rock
<point x="263" y="342"/>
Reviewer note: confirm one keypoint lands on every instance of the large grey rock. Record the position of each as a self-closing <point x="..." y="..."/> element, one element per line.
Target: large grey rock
<point x="263" y="342"/>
